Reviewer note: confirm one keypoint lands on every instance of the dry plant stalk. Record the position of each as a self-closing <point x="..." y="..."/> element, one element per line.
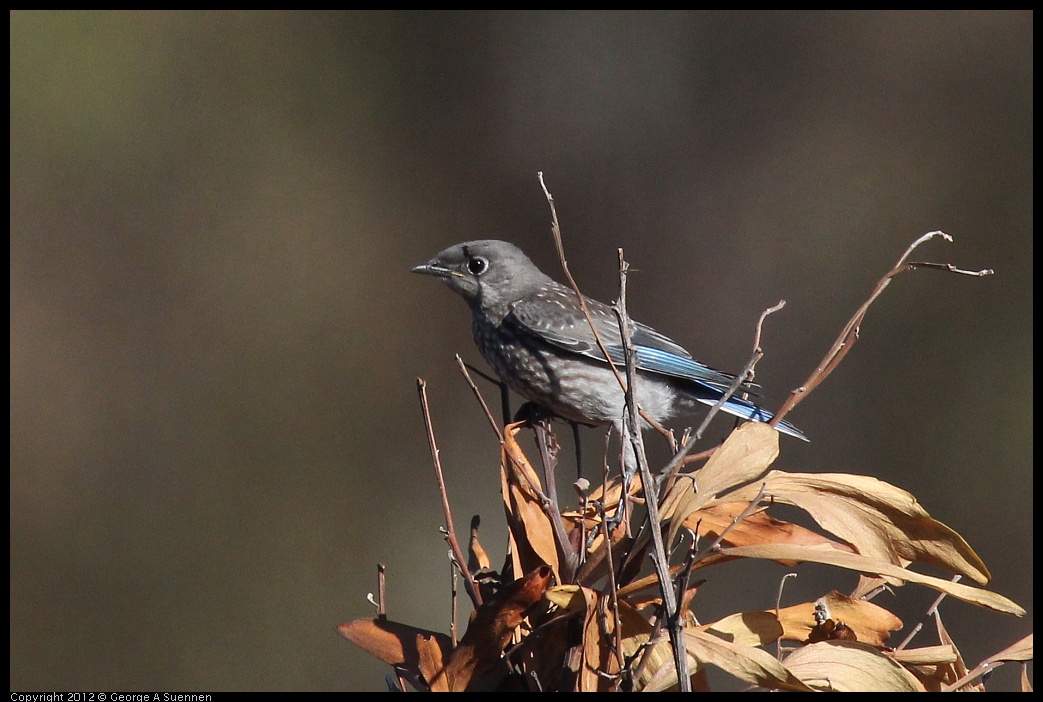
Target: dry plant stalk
<point x="573" y="609"/>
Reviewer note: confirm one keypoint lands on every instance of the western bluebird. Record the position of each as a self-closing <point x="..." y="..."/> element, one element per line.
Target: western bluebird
<point x="533" y="332"/>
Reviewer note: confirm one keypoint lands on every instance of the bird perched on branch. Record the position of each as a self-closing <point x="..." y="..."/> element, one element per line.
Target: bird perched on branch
<point x="533" y="332"/>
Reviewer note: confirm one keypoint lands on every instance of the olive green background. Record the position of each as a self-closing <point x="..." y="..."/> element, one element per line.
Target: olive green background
<point x="215" y="432"/>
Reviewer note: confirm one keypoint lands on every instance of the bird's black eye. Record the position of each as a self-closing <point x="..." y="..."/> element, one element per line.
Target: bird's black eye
<point x="476" y="265"/>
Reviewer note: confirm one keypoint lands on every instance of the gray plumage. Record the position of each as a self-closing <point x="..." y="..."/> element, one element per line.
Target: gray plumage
<point x="533" y="333"/>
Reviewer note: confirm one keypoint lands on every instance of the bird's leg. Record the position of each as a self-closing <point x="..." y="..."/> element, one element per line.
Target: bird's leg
<point x="579" y="449"/>
<point x="628" y="463"/>
<point x="549" y="449"/>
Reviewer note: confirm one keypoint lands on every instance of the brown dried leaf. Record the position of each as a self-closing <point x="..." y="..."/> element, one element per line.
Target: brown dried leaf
<point x="432" y="665"/>
<point x="418" y="652"/>
<point x="1019" y="651"/>
<point x="942" y="675"/>
<point x="745" y="454"/>
<point x="871" y="623"/>
<point x="531" y="533"/>
<point x="475" y="663"/>
<point x="862" y="564"/>
<point x="757" y="528"/>
<point x="746" y="628"/>
<point x="878" y="519"/>
<point x="941" y="654"/>
<point x="599" y="633"/>
<point x="749" y="664"/>
<point x="477" y="558"/>
<point x="848" y="666"/>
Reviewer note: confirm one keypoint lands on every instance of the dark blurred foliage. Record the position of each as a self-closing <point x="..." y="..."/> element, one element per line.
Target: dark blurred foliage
<point x="215" y="434"/>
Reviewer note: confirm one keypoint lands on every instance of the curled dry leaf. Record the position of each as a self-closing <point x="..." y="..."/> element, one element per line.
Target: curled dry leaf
<point x="881" y="521"/>
<point x="418" y="653"/>
<point x="476" y="664"/>
<point x="746" y="628"/>
<point x="938" y="676"/>
<point x="870" y="623"/>
<point x="599" y="660"/>
<point x="757" y="528"/>
<point x="862" y="564"/>
<point x="747" y="663"/>
<point x="745" y="454"/>
<point x="477" y="558"/>
<point x="848" y="666"/>
<point x="1019" y="651"/>
<point x="531" y="533"/>
<point x="941" y="654"/>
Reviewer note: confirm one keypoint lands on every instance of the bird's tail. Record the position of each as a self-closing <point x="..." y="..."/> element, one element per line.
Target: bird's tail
<point x="745" y="409"/>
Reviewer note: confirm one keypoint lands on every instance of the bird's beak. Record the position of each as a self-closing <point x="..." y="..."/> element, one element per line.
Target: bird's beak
<point x="435" y="269"/>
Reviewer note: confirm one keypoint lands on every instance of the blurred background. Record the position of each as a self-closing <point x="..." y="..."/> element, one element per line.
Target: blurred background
<point x="215" y="339"/>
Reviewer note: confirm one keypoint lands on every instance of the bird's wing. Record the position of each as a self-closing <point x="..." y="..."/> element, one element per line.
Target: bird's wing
<point x="552" y="315"/>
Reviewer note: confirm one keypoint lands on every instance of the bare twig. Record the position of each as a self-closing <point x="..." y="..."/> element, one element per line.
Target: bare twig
<point x="669" y="472"/>
<point x="454" y="572"/>
<point x="778" y="606"/>
<point x="931" y="611"/>
<point x="549" y="496"/>
<point x="381" y="591"/>
<point x="715" y="545"/>
<point x="849" y="335"/>
<point x="613" y="590"/>
<point x="632" y="433"/>
<point x="556" y="231"/>
<point x="474" y="388"/>
<point x="760" y="323"/>
<point x="581" y="298"/>
<point x="454" y="544"/>
<point x="581" y="486"/>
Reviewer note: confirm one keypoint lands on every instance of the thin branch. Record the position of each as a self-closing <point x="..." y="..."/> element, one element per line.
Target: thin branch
<point x="454" y="544"/>
<point x="549" y="495"/>
<point x="669" y="472"/>
<point x="613" y="590"/>
<point x="481" y="400"/>
<point x="757" y="335"/>
<point x="778" y="606"/>
<point x="849" y="335"/>
<point x="381" y="590"/>
<point x="715" y="545"/>
<point x="632" y="428"/>
<point x="556" y="231"/>
<point x="454" y="572"/>
<point x="931" y="611"/>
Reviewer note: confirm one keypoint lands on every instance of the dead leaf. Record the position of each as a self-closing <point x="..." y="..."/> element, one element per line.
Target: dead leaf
<point x="757" y="528"/>
<point x="862" y="564"/>
<point x="848" y="666"/>
<point x="474" y="664"/>
<point x="746" y="628"/>
<point x="417" y="652"/>
<point x="927" y="655"/>
<point x="881" y="521"/>
<point x="745" y="455"/>
<point x="871" y="624"/>
<point x="531" y="533"/>
<point x="747" y="663"/>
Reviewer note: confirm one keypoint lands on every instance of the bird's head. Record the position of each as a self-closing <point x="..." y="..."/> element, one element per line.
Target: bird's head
<point x="489" y="274"/>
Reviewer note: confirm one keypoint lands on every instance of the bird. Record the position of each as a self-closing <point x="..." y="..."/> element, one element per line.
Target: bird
<point x="532" y="331"/>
